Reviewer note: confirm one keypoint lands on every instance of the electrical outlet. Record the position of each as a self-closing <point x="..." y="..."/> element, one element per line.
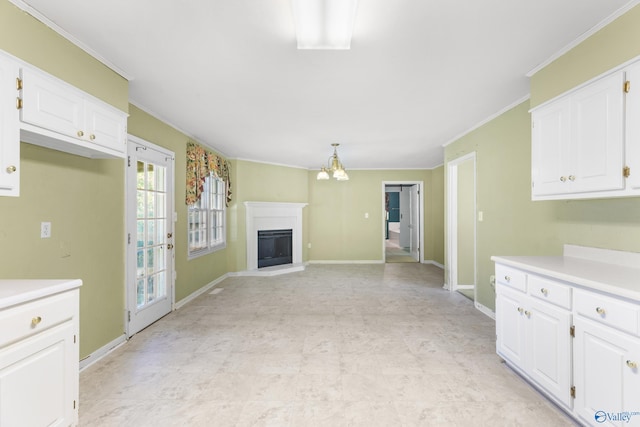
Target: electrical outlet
<point x="45" y="230"/>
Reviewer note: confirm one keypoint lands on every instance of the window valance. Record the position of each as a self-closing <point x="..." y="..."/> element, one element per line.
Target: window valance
<point x="200" y="163"/>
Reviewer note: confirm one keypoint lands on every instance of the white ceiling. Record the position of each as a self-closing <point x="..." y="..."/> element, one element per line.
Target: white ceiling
<point x="419" y="72"/>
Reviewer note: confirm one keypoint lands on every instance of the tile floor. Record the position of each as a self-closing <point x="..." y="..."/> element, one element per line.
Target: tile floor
<point x="335" y="345"/>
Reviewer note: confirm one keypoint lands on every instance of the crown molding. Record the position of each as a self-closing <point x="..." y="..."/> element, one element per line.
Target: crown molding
<point x="20" y="4"/>
<point x="608" y="20"/>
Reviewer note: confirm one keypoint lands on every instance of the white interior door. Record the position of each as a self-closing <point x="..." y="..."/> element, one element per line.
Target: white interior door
<point x="150" y="255"/>
<point x="405" y="218"/>
<point x="414" y="223"/>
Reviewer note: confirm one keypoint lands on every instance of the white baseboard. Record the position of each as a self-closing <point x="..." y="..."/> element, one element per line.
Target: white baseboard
<point x="485" y="310"/>
<point x="432" y="262"/>
<point x="357" y="261"/>
<point x="102" y="352"/>
<point x="199" y="292"/>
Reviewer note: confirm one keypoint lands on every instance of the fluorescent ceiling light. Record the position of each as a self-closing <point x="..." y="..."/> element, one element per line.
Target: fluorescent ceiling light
<point x="324" y="24"/>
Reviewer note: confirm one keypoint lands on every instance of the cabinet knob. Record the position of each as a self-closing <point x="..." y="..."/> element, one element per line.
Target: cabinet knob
<point x="563" y="178"/>
<point x="92" y="137"/>
<point x="11" y="169"/>
<point x="80" y="133"/>
<point x="169" y="246"/>
<point x="572" y="178"/>
<point x="169" y="235"/>
<point x="520" y="310"/>
<point x="36" y="320"/>
<point x="544" y="291"/>
<point x="632" y="364"/>
<point x="527" y="313"/>
<point x="600" y="310"/>
<point x="507" y="278"/>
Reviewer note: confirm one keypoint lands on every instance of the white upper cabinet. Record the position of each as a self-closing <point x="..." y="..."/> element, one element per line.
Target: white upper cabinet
<point x="578" y="142"/>
<point x="62" y="117"/>
<point x="550" y="127"/>
<point x="9" y="130"/>
<point x="632" y="125"/>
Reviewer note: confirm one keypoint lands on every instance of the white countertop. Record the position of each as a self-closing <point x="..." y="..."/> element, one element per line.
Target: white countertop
<point x="14" y="292"/>
<point x="610" y="277"/>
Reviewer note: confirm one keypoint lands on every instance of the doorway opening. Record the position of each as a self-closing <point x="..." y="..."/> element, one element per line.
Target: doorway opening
<point x="461" y="223"/>
<point x="402" y="222"/>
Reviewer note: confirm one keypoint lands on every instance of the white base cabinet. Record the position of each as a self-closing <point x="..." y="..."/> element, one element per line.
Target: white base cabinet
<point x="607" y="380"/>
<point x="39" y="354"/>
<point x="533" y="336"/>
<point x="574" y="338"/>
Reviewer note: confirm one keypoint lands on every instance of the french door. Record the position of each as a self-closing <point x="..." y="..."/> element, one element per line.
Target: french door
<point x="150" y="255"/>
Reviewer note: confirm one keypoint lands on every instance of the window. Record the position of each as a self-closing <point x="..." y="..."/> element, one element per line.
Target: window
<point x="207" y="230"/>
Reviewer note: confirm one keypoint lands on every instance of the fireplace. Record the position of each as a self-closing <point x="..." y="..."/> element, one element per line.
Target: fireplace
<point x="274" y="247"/>
<point x="274" y="217"/>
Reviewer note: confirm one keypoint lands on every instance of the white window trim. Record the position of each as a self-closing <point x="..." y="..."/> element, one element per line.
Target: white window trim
<point x="210" y="248"/>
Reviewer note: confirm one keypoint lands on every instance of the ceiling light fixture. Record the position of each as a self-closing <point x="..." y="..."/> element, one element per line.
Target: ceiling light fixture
<point x="324" y="24"/>
<point x="334" y="166"/>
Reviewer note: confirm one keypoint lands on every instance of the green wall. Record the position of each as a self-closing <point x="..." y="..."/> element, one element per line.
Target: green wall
<point x="338" y="229"/>
<point x="434" y="216"/>
<point x="513" y="224"/>
<point x="466" y="221"/>
<point x="83" y="199"/>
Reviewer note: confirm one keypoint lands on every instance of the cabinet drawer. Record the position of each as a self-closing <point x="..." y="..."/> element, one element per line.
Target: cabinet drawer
<point x="618" y="314"/>
<point x="550" y="291"/>
<point x="30" y="318"/>
<point x="511" y="277"/>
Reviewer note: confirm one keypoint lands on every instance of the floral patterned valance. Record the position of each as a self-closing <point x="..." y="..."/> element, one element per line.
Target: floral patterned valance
<point x="200" y="163"/>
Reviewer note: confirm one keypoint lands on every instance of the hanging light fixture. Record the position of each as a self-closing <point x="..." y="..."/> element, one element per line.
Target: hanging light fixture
<point x="334" y="166"/>
<point x="324" y="24"/>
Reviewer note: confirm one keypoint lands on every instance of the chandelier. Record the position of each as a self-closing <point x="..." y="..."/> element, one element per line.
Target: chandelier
<point x="334" y="166"/>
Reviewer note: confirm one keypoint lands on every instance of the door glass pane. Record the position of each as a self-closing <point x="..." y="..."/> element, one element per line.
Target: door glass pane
<point x="151" y="233"/>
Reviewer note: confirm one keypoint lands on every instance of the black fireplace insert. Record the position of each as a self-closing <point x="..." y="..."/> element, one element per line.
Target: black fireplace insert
<point x="274" y="247"/>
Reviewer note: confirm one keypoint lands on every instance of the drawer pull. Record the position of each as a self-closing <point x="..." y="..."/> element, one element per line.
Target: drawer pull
<point x="527" y="313"/>
<point x="80" y="133"/>
<point x="600" y="311"/>
<point x="507" y="279"/>
<point x="92" y="137"/>
<point x="544" y="291"/>
<point x="36" y="320"/>
<point x="11" y="169"/>
<point x="520" y="310"/>
<point x="631" y="364"/>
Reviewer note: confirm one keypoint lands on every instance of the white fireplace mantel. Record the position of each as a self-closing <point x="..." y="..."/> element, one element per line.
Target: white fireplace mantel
<point x="274" y="216"/>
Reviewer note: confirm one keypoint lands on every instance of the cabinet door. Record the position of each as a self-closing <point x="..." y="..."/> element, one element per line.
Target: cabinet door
<point x="550" y="151"/>
<point x="606" y="381"/>
<point x="105" y="126"/>
<point x="50" y="104"/>
<point x="548" y="328"/>
<point x="632" y="123"/>
<point x="38" y="380"/>
<point x="510" y="326"/>
<point x="9" y="130"/>
<point x="597" y="143"/>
